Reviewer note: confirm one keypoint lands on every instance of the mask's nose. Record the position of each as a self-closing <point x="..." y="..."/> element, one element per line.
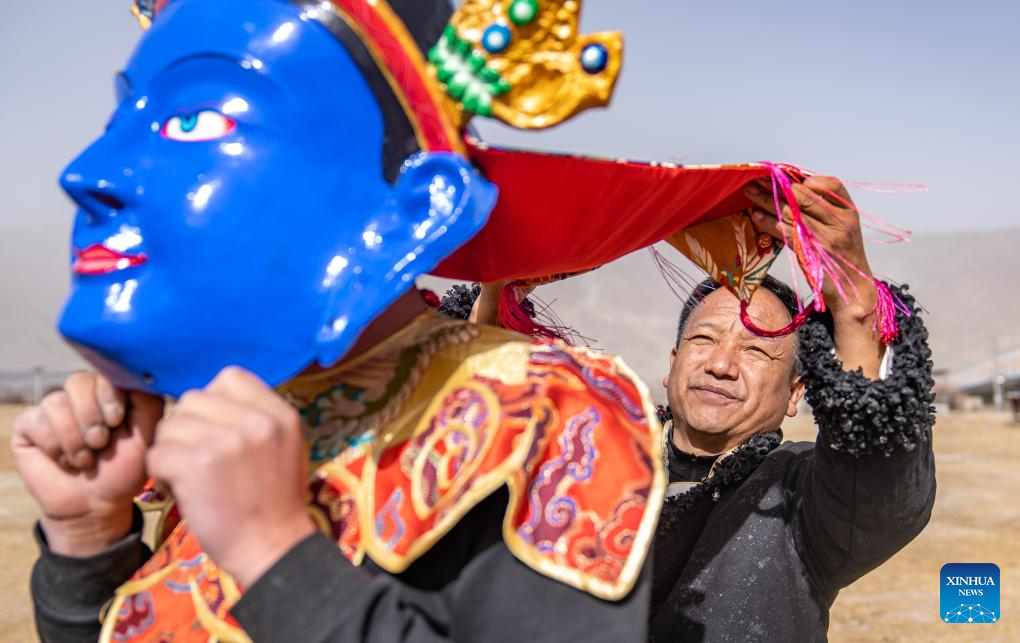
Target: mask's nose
<point x="101" y="190"/>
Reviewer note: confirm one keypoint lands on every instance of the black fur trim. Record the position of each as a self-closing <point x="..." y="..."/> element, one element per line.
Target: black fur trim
<point x="459" y="299"/>
<point x="859" y="416"/>
<point x="731" y="469"/>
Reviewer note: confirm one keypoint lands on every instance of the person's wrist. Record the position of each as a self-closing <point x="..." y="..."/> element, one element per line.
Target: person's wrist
<point x="860" y="303"/>
<point x="85" y="536"/>
<point x="261" y="548"/>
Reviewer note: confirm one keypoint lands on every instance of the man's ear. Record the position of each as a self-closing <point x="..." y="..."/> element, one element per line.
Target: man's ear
<point x="665" y="378"/>
<point x="438" y="203"/>
<point x="796" y="393"/>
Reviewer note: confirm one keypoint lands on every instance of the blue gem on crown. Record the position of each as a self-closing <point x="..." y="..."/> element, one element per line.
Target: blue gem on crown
<point x="594" y="58"/>
<point x="496" y="38"/>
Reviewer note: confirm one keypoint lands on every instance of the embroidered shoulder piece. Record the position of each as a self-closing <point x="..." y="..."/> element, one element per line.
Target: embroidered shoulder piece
<point x="573" y="437"/>
<point x="571" y="434"/>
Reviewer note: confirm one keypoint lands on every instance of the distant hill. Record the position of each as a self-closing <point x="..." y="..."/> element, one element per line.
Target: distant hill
<point x="969" y="285"/>
<point x="967" y="281"/>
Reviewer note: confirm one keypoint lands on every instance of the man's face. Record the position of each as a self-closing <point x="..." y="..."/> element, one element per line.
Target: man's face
<point x="726" y="383"/>
<point x="235" y="210"/>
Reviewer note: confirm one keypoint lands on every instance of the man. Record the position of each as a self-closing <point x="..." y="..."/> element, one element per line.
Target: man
<point x="757" y="537"/>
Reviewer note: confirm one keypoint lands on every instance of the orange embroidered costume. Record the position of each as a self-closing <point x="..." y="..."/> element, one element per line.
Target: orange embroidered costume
<point x="409" y="437"/>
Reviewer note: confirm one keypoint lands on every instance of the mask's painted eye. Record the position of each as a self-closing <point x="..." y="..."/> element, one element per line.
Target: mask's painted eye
<point x="201" y="126"/>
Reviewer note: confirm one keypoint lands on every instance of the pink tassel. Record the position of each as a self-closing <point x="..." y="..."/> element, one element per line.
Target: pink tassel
<point x="816" y="262"/>
<point x="886" y="307"/>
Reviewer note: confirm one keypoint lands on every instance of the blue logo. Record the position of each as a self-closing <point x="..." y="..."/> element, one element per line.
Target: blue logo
<point x="970" y="593"/>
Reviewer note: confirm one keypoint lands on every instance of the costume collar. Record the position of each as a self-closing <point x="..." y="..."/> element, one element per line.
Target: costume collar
<point x="343" y="406"/>
<point x="730" y="469"/>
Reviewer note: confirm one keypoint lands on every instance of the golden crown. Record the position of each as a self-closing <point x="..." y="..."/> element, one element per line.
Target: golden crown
<point x="520" y="61"/>
<point x="524" y="62"/>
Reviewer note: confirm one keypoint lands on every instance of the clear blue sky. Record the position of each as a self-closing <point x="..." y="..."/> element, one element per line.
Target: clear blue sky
<point x="908" y="90"/>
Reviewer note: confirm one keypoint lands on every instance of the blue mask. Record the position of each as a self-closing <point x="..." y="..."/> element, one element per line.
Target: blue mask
<point x="235" y="211"/>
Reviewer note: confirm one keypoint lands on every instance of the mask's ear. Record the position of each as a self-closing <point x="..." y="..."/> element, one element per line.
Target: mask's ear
<point x="438" y="203"/>
<point x="443" y="202"/>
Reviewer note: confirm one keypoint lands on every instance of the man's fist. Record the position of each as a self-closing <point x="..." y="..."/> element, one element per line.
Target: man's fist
<point x="833" y="220"/>
<point x="81" y="454"/>
<point x="234" y="457"/>
<point x="832" y="217"/>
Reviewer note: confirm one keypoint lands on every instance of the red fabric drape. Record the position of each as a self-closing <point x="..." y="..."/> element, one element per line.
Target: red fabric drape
<point x="563" y="214"/>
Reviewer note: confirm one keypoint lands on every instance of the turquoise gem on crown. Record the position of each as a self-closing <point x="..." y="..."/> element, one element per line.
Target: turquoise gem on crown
<point x="465" y="74"/>
<point x="496" y="38"/>
<point x="523" y="11"/>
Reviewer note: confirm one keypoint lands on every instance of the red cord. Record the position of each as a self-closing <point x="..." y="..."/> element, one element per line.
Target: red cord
<point x="798" y="320"/>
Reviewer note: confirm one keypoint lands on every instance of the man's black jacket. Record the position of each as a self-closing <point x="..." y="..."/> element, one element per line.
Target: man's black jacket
<point x="765" y="561"/>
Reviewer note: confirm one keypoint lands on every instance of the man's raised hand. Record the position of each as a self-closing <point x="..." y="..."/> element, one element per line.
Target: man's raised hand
<point x="831" y="216"/>
<point x="233" y="455"/>
<point x="81" y="454"/>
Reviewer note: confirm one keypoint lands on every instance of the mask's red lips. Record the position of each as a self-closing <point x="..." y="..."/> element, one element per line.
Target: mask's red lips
<point x="97" y="259"/>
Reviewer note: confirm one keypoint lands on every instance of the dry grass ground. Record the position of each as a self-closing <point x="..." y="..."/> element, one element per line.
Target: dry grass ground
<point x="976" y="519"/>
<point x="17" y="549"/>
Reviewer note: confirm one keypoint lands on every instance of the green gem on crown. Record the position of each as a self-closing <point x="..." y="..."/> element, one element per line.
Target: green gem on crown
<point x="465" y="73"/>
<point x="523" y="11"/>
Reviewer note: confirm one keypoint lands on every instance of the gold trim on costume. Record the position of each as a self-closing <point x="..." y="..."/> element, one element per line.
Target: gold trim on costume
<point x="646" y="530"/>
<point x="221" y="631"/>
<point x="462" y="377"/>
<point x="129" y="588"/>
<point x="143" y="20"/>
